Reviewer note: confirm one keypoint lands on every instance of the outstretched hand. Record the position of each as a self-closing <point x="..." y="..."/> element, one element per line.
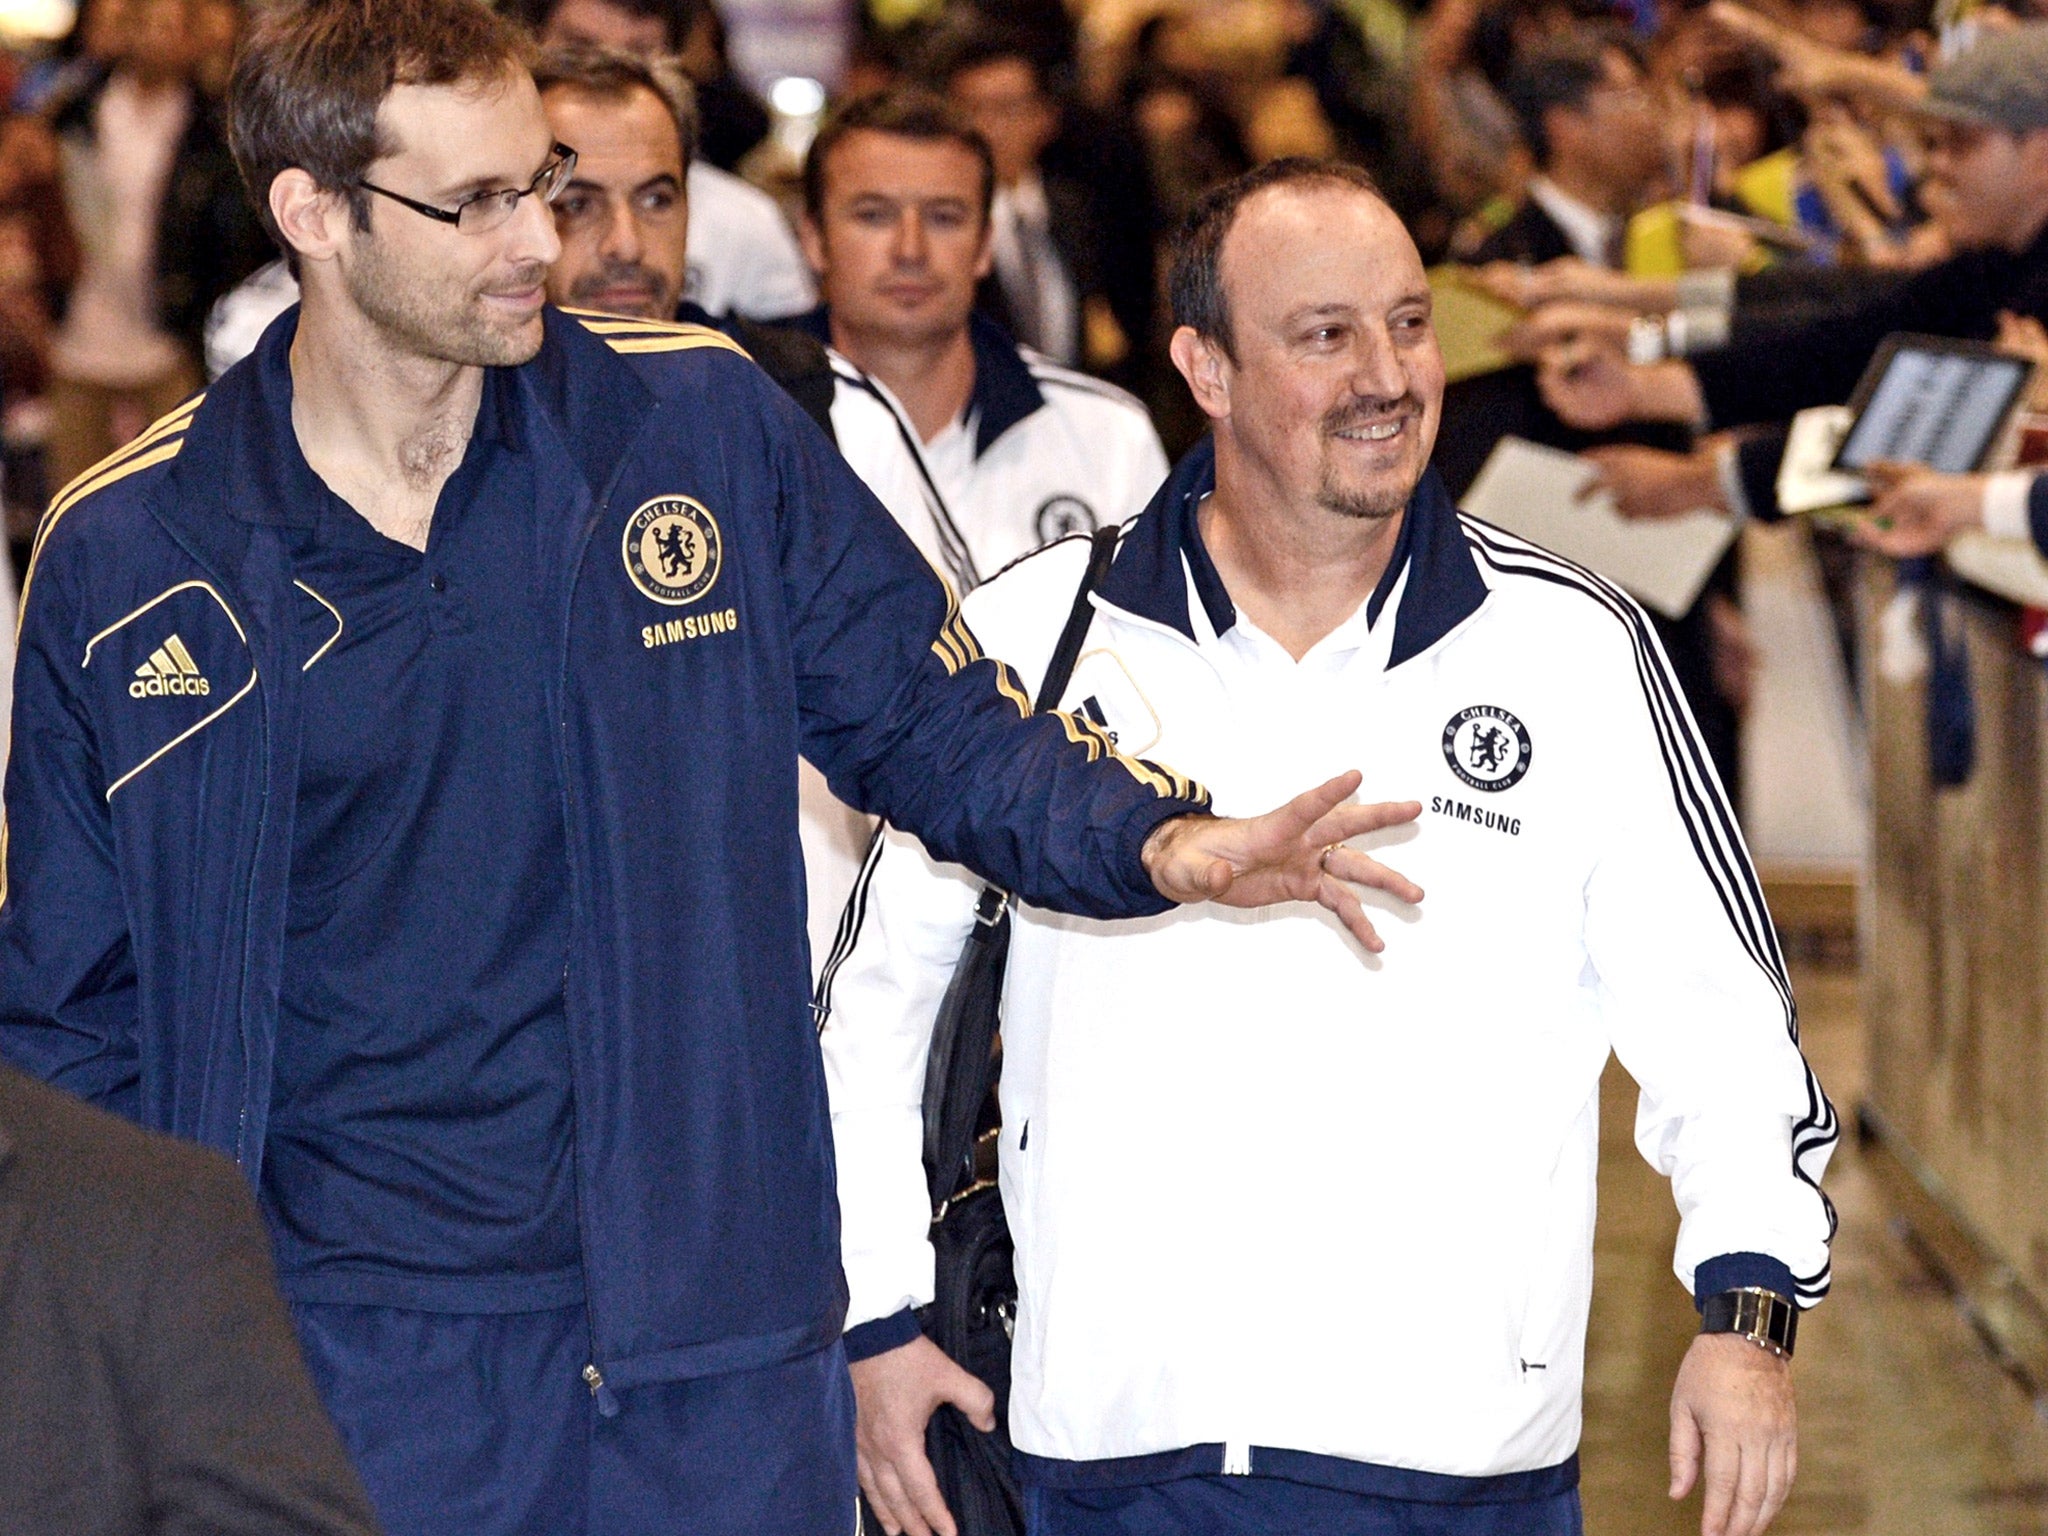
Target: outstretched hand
<point x="1294" y="853"/>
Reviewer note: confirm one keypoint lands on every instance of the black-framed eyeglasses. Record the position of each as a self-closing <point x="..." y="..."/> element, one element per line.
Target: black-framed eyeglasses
<point x="485" y="211"/>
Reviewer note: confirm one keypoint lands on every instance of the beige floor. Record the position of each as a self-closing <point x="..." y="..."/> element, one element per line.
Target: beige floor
<point x="1907" y="1428"/>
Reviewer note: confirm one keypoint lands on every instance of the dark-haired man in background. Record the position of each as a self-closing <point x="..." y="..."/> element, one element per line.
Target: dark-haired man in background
<point x="1586" y="113"/>
<point x="624" y="218"/>
<point x="1072" y="219"/>
<point x="981" y="450"/>
<point x="743" y="257"/>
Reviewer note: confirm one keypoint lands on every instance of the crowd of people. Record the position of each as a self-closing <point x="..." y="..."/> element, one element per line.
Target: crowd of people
<point x="440" y="745"/>
<point x="1697" y="181"/>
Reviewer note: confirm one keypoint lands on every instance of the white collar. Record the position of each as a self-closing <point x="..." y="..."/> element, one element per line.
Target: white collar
<point x="1588" y="229"/>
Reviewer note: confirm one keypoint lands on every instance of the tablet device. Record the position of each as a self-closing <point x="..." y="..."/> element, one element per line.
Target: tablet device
<point x="1935" y="401"/>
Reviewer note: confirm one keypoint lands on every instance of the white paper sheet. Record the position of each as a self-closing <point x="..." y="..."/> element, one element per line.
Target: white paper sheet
<point x="2012" y="568"/>
<point x="1807" y="479"/>
<point x="1532" y="491"/>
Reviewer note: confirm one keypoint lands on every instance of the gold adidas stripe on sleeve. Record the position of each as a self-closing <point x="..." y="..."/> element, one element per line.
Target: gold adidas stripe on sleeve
<point x="625" y="334"/>
<point x="1008" y="686"/>
<point x="963" y="637"/>
<point x="101" y="473"/>
<point x="158" y="444"/>
<point x="631" y="345"/>
<point x="952" y="655"/>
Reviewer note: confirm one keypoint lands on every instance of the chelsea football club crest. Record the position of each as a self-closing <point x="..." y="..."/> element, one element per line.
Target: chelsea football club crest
<point x="1487" y="747"/>
<point x="1058" y="516"/>
<point x="672" y="549"/>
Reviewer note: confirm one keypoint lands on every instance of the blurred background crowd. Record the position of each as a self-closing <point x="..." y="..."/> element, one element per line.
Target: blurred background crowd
<point x="1594" y="166"/>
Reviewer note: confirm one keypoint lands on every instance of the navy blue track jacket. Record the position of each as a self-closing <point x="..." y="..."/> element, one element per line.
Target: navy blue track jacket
<point x="725" y="595"/>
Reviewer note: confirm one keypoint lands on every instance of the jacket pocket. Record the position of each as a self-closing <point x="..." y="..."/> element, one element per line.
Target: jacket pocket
<point x="1558" y="1283"/>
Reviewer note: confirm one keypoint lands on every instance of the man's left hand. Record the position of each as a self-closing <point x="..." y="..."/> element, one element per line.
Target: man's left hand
<point x="1290" y="854"/>
<point x="1734" y="1430"/>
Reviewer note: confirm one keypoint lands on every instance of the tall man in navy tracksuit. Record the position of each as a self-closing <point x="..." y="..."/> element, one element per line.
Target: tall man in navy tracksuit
<point x="387" y="811"/>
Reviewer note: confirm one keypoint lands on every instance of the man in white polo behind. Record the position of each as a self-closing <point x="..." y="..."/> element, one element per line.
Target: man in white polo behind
<point x="981" y="449"/>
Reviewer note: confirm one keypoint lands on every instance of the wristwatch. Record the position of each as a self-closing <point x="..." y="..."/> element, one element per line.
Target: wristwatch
<point x="1649" y="340"/>
<point x="1765" y="1318"/>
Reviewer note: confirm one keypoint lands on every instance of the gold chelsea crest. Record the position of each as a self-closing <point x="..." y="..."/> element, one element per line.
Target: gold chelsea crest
<point x="672" y="549"/>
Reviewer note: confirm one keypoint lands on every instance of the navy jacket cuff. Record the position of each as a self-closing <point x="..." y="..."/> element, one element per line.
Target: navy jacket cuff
<point x="1757" y="457"/>
<point x="2037" y="512"/>
<point x="1145" y="898"/>
<point x="882" y="1335"/>
<point x="1736" y="1271"/>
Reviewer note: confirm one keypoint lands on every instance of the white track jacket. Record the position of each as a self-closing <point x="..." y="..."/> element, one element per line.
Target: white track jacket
<point x="1042" y="451"/>
<point x="1282" y="1206"/>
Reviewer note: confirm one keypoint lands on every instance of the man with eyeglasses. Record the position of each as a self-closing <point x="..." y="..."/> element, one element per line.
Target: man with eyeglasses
<point x="404" y="802"/>
<point x="734" y="257"/>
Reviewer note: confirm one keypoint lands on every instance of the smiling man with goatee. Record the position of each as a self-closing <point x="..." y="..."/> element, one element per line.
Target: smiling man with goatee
<point x="1303" y="1230"/>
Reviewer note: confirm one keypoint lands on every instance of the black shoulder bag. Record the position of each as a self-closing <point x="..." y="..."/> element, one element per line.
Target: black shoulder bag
<point x="974" y="1310"/>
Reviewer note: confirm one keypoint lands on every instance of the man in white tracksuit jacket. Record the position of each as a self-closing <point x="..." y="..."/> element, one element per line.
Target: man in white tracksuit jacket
<point x="1304" y="1235"/>
<point x="981" y="451"/>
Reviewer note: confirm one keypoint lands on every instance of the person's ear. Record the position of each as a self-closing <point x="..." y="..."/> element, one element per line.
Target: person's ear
<point x="1205" y="367"/>
<point x="315" y="222"/>
<point x="2034" y="156"/>
<point x="812" y="239"/>
<point x="1563" y="130"/>
<point x="985" y="261"/>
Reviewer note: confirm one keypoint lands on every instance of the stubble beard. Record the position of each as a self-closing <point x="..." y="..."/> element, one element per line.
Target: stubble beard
<point x="435" y="319"/>
<point x="616" y="274"/>
<point x="1364" y="503"/>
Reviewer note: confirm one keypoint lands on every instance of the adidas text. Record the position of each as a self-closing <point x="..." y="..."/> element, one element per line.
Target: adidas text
<point x="170" y="672"/>
<point x="160" y="687"/>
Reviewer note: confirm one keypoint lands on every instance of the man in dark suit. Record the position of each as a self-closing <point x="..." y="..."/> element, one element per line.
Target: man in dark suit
<point x="150" y="1381"/>
<point x="1073" y="214"/>
<point x="1585" y="111"/>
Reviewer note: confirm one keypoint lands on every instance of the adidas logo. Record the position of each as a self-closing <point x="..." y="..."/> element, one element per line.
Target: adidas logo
<point x="170" y="671"/>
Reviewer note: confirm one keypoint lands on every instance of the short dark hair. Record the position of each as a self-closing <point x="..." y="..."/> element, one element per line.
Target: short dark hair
<point x="908" y="112"/>
<point x="678" y="18"/>
<point x="612" y="75"/>
<point x="312" y="74"/>
<point x="1194" y="274"/>
<point x="1559" y="75"/>
<point x="967" y="40"/>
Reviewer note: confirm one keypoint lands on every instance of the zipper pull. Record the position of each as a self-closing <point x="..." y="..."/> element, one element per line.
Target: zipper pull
<point x="607" y="1405"/>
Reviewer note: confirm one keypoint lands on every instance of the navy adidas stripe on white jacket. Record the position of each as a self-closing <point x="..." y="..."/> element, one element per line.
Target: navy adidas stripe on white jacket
<point x="1282" y="1206"/>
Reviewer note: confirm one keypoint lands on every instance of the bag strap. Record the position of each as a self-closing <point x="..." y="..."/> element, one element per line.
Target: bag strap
<point x="1060" y="670"/>
<point x="949" y="1122"/>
